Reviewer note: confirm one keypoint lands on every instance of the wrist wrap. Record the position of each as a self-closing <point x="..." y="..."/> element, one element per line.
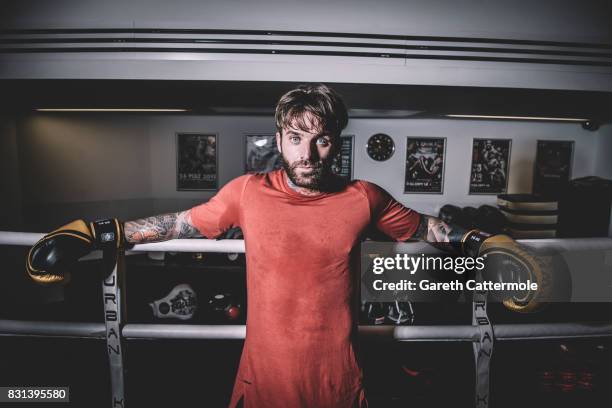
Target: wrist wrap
<point x="472" y="241"/>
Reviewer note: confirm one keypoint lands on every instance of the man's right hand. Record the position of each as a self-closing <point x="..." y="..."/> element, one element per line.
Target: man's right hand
<point x="50" y="258"/>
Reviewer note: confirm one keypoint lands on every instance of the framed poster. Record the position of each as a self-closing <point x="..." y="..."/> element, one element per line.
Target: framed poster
<point x="262" y="155"/>
<point x="342" y="164"/>
<point x="425" y="158"/>
<point x="490" y="164"/>
<point x="553" y="166"/>
<point x="196" y="161"/>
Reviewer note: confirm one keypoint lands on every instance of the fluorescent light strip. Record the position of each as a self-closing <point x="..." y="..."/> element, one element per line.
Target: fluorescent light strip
<point x="108" y="110"/>
<point x="518" y="118"/>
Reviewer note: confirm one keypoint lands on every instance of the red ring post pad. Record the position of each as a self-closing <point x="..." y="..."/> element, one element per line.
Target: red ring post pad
<point x="418" y="272"/>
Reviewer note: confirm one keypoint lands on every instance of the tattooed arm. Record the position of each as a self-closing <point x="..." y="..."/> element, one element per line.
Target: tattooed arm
<point x="161" y="228"/>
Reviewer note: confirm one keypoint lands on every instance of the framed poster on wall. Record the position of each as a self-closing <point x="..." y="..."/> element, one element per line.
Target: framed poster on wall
<point x="196" y="161"/>
<point x="553" y="166"/>
<point x="490" y="165"/>
<point x="425" y="157"/>
<point x="261" y="154"/>
<point x="342" y="164"/>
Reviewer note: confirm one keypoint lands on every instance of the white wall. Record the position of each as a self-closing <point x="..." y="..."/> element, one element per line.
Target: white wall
<point x="76" y="159"/>
<point x="555" y="20"/>
<point x="543" y="20"/>
<point x="459" y="134"/>
<point x="85" y="166"/>
<point x="125" y="165"/>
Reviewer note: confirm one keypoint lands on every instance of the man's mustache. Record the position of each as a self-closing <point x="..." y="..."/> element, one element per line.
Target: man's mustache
<point x="307" y="163"/>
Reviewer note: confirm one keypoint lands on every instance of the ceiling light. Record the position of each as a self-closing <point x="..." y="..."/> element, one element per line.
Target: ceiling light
<point x="382" y="113"/>
<point x="107" y="110"/>
<point x="552" y="119"/>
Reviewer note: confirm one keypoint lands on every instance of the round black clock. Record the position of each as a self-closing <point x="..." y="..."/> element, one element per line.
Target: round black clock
<point x="380" y="147"/>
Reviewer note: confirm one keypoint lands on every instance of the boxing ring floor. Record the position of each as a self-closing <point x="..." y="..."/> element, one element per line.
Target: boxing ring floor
<point x="122" y="332"/>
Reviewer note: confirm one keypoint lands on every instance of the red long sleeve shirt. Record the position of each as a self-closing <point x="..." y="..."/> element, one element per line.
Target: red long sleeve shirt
<point x="302" y="284"/>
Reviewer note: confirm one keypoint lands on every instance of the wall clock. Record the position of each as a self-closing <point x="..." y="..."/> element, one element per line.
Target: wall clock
<point x="380" y="147"/>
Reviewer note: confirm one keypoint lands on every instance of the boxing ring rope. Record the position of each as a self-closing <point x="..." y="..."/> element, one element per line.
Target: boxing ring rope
<point x="468" y="333"/>
<point x="175" y="245"/>
<point x="237" y="245"/>
<point x="450" y="333"/>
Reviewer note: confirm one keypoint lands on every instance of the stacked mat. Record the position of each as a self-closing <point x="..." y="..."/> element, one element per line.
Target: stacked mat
<point x="529" y="215"/>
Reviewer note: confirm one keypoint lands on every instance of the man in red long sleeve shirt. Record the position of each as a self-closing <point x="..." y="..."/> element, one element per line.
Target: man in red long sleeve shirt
<point x="302" y="227"/>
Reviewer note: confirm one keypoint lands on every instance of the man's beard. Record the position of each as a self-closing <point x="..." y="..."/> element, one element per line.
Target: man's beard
<point x="317" y="178"/>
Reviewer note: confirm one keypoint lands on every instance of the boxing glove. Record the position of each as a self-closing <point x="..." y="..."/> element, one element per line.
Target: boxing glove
<point x="490" y="219"/>
<point x="451" y="214"/>
<point x="51" y="257"/>
<point x="507" y="261"/>
<point x="469" y="214"/>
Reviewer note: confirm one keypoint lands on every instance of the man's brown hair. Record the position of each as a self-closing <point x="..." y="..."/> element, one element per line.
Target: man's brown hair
<point x="320" y="101"/>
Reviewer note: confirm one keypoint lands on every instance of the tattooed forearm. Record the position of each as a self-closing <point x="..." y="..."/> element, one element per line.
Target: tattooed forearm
<point x="439" y="233"/>
<point x="161" y="228"/>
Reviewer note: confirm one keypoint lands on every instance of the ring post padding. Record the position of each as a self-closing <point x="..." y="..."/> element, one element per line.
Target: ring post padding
<point x="112" y="288"/>
<point x="483" y="346"/>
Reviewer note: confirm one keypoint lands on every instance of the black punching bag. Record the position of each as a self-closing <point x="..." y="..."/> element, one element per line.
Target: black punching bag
<point x="584" y="208"/>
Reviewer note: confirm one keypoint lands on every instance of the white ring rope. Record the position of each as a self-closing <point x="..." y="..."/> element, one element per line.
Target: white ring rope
<point x="174" y="245"/>
<point x="237" y="245"/>
<point x="401" y="333"/>
<point x="535" y="331"/>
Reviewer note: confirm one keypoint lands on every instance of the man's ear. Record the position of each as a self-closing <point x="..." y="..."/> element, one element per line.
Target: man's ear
<point x="278" y="142"/>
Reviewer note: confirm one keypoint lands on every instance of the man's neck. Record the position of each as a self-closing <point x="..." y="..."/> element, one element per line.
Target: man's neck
<point x="302" y="190"/>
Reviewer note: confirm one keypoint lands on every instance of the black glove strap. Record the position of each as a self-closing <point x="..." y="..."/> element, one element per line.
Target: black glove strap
<point x="108" y="234"/>
<point x="472" y="241"/>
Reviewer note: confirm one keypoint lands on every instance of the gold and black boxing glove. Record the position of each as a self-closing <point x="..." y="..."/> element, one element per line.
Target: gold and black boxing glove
<point x="52" y="256"/>
<point x="506" y="261"/>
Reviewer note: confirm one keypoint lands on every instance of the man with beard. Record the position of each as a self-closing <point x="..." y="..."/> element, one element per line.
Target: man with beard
<point x="302" y="227"/>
